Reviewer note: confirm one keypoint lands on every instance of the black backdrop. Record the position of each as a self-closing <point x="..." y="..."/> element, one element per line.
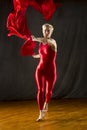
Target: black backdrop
<point x="17" y="73"/>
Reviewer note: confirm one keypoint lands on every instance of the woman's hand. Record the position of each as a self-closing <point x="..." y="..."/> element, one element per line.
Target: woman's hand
<point x="33" y="38"/>
<point x="36" y="56"/>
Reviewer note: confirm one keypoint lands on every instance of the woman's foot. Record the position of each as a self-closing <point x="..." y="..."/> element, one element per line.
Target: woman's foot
<point x="45" y="107"/>
<point x="41" y="116"/>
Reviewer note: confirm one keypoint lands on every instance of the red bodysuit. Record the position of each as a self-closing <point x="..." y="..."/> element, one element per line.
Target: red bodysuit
<point x="45" y="71"/>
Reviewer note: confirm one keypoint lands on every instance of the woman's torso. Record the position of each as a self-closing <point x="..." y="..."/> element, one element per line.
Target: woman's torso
<point x="47" y="56"/>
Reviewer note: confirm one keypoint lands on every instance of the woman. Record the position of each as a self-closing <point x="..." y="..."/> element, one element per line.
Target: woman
<point x="46" y="69"/>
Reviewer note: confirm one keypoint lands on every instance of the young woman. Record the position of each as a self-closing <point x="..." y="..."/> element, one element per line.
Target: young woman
<point x="46" y="69"/>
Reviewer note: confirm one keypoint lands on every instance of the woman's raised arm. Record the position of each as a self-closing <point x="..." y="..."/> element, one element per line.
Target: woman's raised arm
<point x="38" y="39"/>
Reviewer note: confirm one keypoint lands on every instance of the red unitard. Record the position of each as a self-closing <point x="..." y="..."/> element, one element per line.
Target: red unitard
<point x="45" y="72"/>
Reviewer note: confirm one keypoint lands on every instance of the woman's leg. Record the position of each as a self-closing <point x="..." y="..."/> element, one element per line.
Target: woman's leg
<point x="40" y="94"/>
<point x="49" y="87"/>
<point x="40" y="84"/>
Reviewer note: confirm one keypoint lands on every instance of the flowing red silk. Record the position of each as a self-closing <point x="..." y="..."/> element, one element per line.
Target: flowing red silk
<point x="17" y="24"/>
<point x="27" y="48"/>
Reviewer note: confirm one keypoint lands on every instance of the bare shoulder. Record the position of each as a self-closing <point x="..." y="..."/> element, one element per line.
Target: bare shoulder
<point x="53" y="44"/>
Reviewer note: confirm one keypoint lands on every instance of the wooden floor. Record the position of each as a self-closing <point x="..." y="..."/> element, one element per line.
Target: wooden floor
<point x="62" y="115"/>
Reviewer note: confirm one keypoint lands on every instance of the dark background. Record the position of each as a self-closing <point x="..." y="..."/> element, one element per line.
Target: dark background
<point x="17" y="73"/>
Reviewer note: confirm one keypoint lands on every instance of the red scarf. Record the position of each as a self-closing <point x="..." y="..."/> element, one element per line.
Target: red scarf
<point x="17" y="25"/>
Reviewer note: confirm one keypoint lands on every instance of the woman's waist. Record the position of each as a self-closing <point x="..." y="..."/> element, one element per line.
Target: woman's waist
<point x="47" y="59"/>
<point x="47" y="63"/>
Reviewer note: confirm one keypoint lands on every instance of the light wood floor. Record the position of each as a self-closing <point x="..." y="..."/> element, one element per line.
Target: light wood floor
<point x="63" y="115"/>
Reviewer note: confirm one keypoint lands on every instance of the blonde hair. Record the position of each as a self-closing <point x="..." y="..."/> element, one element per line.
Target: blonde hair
<point x="48" y="25"/>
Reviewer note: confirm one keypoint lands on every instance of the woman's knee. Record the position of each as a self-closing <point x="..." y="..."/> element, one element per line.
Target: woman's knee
<point x="40" y="91"/>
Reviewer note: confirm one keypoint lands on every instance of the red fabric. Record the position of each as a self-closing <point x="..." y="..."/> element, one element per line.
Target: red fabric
<point x="16" y="22"/>
<point x="46" y="7"/>
<point x="20" y="4"/>
<point x="27" y="48"/>
<point x="17" y="25"/>
<point x="45" y="72"/>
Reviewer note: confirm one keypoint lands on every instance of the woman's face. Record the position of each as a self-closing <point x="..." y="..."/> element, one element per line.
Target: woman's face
<point x="47" y="31"/>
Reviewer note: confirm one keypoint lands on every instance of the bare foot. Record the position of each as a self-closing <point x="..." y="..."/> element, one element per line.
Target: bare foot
<point x="45" y="107"/>
<point x="41" y="116"/>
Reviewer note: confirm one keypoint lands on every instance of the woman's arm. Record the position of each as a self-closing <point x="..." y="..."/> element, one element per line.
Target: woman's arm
<point x="36" y="56"/>
<point x="39" y="39"/>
